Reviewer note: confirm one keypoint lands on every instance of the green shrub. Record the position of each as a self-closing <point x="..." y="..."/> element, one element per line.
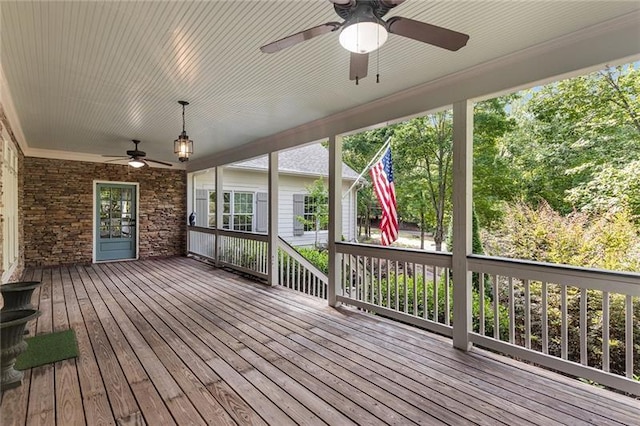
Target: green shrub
<point x="319" y="258"/>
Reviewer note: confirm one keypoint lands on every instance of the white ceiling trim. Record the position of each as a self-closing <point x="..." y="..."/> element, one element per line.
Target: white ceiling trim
<point x="91" y="158"/>
<point x="595" y="46"/>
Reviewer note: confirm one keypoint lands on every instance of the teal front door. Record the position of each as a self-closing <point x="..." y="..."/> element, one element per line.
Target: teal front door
<point x="116" y="234"/>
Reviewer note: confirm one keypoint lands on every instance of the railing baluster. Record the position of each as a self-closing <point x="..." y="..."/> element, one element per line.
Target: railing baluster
<point x="379" y="283"/>
<point x="365" y="281"/>
<point x="583" y="326"/>
<point x="496" y="308"/>
<point x="545" y="320"/>
<point x="405" y="300"/>
<point x="481" y="303"/>
<point x="395" y="279"/>
<point x="388" y="273"/>
<point x="512" y="312"/>
<point x="629" y="336"/>
<point x="605" y="331"/>
<point x="415" y="289"/>
<point x="435" y="293"/>
<point x="527" y="314"/>
<point x="564" y="334"/>
<point x="424" y="291"/>
<point x="447" y="301"/>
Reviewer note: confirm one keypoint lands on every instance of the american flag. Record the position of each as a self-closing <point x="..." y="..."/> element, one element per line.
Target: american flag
<point x="382" y="177"/>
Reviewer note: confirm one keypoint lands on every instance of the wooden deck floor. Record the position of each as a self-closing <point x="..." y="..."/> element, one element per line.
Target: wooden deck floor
<point x="175" y="341"/>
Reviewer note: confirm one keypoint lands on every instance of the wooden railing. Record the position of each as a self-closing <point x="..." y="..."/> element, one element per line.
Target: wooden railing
<point x="560" y="317"/>
<point x="247" y="252"/>
<point x="297" y="273"/>
<point x="412" y="286"/>
<point x="242" y="251"/>
<point x="202" y="242"/>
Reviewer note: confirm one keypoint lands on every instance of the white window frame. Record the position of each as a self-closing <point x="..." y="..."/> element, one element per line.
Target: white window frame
<point x="311" y="216"/>
<point x="10" y="231"/>
<point x="232" y="214"/>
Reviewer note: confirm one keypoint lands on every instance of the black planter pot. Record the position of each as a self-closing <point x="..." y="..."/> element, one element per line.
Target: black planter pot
<point x="12" y="344"/>
<point x="17" y="295"/>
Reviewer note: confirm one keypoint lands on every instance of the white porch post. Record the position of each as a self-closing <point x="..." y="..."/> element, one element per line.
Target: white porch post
<point x="273" y="219"/>
<point x="219" y="209"/>
<point x="462" y="205"/>
<point x="335" y="215"/>
<point x="191" y="189"/>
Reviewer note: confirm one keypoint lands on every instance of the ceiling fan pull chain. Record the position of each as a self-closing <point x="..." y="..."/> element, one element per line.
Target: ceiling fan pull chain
<point x="357" y="78"/>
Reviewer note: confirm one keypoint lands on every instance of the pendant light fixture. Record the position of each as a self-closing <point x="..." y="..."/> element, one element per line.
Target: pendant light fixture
<point x="183" y="146"/>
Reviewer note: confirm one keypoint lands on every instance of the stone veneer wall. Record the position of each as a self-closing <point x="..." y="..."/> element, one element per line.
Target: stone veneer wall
<point x="17" y="273"/>
<point x="58" y="209"/>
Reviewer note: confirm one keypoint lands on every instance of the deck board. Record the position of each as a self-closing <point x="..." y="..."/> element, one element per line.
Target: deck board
<point x="176" y="341"/>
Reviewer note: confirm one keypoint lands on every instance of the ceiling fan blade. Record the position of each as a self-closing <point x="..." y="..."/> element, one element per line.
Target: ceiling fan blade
<point x="113" y="156"/>
<point x="156" y="161"/>
<point x="115" y="159"/>
<point x="427" y="33"/>
<point x="294" y="39"/>
<point x="359" y="66"/>
<point x="343" y="2"/>
<point x="391" y="3"/>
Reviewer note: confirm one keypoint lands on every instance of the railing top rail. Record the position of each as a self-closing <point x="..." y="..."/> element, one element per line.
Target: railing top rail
<point x="291" y="251"/>
<point x="202" y="229"/>
<point x="244" y="235"/>
<point x="230" y="233"/>
<point x="590" y="278"/>
<point x="396" y="254"/>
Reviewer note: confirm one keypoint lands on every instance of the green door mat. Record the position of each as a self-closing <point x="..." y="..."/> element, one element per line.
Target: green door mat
<point x="47" y="348"/>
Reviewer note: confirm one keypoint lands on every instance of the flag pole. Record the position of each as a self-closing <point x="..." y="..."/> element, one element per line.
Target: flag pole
<point x="366" y="169"/>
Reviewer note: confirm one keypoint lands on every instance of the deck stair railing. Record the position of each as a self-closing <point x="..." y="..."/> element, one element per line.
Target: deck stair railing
<point x="247" y="252"/>
<point x="297" y="273"/>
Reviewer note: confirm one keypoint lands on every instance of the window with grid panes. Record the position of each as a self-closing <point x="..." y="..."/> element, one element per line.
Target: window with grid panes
<point x="238" y="211"/>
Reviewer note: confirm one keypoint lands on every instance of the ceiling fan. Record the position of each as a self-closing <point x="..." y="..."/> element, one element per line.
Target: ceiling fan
<point x="136" y="157"/>
<point x="364" y="31"/>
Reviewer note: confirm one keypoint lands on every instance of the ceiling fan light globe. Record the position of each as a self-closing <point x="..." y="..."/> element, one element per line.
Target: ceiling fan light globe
<point x="136" y="163"/>
<point x="363" y="37"/>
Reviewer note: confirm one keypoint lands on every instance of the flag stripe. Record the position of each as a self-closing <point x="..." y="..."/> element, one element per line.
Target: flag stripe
<point x="382" y="178"/>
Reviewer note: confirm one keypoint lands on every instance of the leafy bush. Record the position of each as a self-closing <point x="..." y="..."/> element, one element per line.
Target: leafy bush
<point x="608" y="241"/>
<point x="319" y="258"/>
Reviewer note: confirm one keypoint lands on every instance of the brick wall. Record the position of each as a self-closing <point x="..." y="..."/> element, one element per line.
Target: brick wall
<point x="58" y="209"/>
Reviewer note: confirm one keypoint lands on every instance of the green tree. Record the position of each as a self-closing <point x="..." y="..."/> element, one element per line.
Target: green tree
<point x="494" y="180"/>
<point x="572" y="134"/>
<point x="424" y="156"/>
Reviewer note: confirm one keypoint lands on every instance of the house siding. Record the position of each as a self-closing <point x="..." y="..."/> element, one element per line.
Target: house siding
<point x="288" y="185"/>
<point x="58" y="209"/>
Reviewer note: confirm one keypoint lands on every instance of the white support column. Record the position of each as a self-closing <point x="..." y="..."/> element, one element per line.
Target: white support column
<point x="335" y="215"/>
<point x="219" y="209"/>
<point x="273" y="219"/>
<point x="191" y="206"/>
<point x="462" y="205"/>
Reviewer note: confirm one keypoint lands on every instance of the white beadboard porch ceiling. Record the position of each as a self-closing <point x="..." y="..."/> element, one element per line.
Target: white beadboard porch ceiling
<point x="87" y="77"/>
